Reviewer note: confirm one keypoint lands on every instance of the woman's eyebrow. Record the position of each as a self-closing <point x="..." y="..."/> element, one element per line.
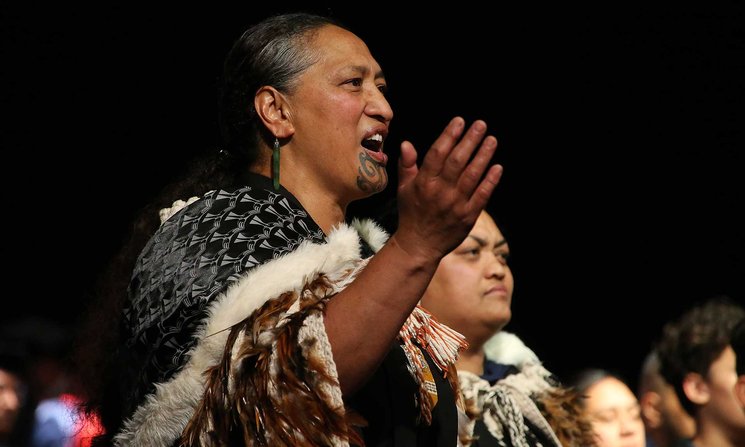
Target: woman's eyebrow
<point x="482" y="241"/>
<point x="361" y="69"/>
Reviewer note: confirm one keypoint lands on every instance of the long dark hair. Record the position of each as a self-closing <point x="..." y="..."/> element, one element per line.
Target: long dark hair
<point x="274" y="52"/>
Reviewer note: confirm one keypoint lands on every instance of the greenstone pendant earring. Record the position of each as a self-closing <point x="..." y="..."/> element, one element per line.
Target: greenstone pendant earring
<point x="275" y="164"/>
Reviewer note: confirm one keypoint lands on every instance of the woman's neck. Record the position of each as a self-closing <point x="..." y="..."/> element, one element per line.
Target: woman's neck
<point x="471" y="361"/>
<point x="323" y="208"/>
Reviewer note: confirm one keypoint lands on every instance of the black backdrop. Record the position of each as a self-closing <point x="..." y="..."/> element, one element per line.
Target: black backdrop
<point x="621" y="133"/>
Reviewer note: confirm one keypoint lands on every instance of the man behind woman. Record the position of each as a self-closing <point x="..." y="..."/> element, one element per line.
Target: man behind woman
<point x="697" y="358"/>
<point x="666" y="423"/>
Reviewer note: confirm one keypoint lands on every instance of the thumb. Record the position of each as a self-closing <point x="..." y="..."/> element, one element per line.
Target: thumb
<point x="407" y="168"/>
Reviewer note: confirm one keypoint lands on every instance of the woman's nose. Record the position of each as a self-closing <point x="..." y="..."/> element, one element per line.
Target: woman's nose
<point x="378" y="106"/>
<point x="629" y="425"/>
<point x="495" y="267"/>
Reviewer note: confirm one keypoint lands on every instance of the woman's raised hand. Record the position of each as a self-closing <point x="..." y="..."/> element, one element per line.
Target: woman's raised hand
<point x="440" y="201"/>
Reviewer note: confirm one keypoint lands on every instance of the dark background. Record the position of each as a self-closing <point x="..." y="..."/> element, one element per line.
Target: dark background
<point x="621" y="132"/>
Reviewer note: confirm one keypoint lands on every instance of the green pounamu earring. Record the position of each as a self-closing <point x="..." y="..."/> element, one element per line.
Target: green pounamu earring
<point x="275" y="164"/>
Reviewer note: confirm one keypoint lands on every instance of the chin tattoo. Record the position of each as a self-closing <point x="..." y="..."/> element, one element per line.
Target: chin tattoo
<point x="372" y="176"/>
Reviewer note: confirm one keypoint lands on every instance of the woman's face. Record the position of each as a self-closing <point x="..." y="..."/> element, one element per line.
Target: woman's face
<point x="471" y="290"/>
<point x="340" y="118"/>
<point x="615" y="414"/>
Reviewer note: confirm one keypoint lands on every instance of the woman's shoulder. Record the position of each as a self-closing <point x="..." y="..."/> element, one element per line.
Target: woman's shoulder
<point x="252" y="207"/>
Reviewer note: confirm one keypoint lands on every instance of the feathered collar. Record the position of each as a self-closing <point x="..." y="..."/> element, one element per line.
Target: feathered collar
<point x="160" y="420"/>
<point x="265" y="333"/>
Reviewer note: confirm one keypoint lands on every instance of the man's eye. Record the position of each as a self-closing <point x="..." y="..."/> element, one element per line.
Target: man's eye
<point x="357" y="82"/>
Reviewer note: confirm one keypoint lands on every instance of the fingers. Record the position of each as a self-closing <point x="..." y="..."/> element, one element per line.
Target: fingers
<point x="441" y="148"/>
<point x="469" y="177"/>
<point x="449" y="170"/>
<point x="481" y="195"/>
<point x="447" y="156"/>
<point x="443" y="198"/>
<point x="461" y="153"/>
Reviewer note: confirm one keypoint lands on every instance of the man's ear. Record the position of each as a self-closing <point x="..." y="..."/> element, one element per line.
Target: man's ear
<point x="649" y="403"/>
<point x="274" y="111"/>
<point x="696" y="388"/>
<point x="740" y="390"/>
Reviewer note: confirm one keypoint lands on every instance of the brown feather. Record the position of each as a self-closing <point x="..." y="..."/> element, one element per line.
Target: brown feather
<point x="562" y="409"/>
<point x="297" y="415"/>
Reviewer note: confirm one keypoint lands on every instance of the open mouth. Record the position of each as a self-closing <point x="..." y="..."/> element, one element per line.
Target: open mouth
<point x="374" y="146"/>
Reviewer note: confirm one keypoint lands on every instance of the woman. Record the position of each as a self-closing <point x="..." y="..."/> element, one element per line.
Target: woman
<point x="511" y="399"/>
<point x="612" y="407"/>
<point x="255" y="314"/>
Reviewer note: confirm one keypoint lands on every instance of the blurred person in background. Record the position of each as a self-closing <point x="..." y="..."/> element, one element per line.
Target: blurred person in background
<point x="667" y="424"/>
<point x="612" y="407"/>
<point x="15" y="414"/>
<point x="697" y="359"/>
<point x="53" y="393"/>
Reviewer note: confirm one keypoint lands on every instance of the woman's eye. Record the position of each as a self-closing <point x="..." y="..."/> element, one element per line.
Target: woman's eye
<point x="605" y="417"/>
<point x="383" y="88"/>
<point x="469" y="252"/>
<point x="356" y="82"/>
<point x="635" y="413"/>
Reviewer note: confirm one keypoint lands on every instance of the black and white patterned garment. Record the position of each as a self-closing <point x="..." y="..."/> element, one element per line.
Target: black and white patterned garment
<point x="190" y="260"/>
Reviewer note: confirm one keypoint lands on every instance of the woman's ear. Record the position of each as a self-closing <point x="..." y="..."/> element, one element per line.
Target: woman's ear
<point x="696" y="388"/>
<point x="274" y="111"/>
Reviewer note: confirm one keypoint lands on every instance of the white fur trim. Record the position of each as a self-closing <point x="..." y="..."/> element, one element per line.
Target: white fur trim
<point x="507" y="348"/>
<point x="178" y="205"/>
<point x="162" y="417"/>
<point x="371" y="232"/>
